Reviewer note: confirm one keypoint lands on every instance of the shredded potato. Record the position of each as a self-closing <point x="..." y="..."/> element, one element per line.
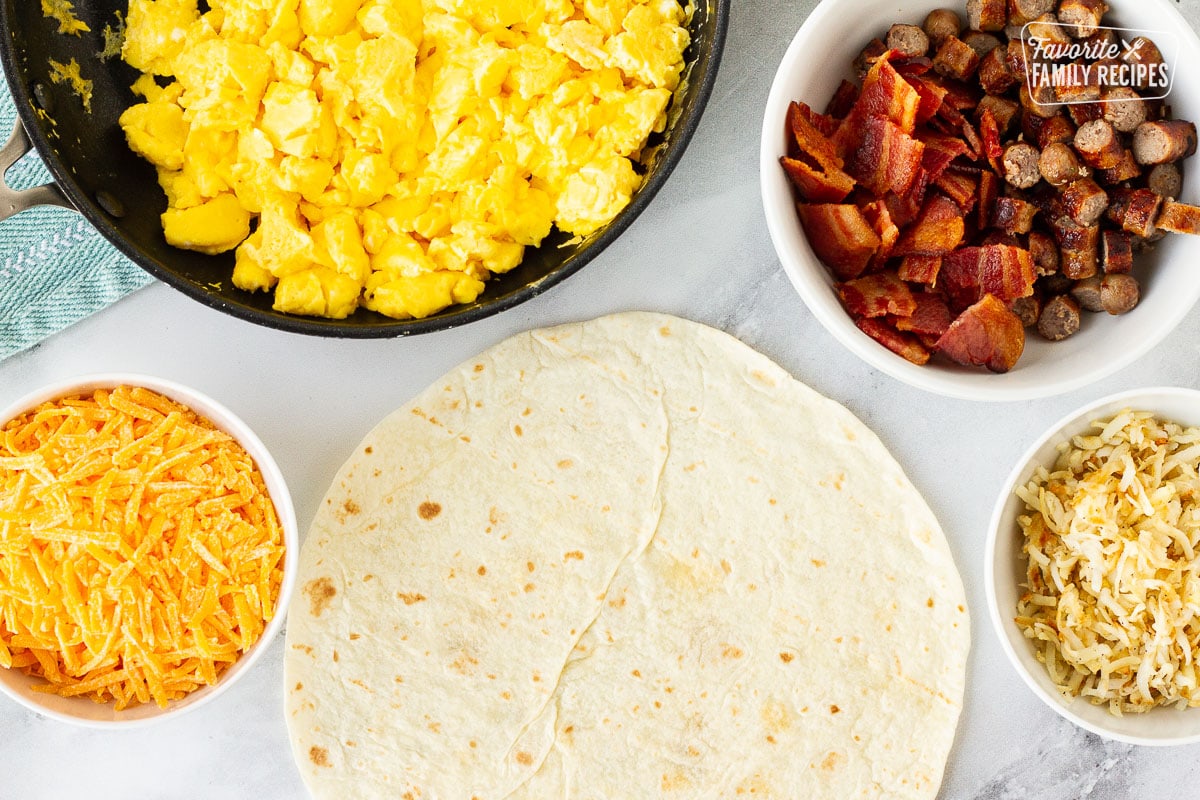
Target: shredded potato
<point x="140" y="554"/>
<point x="1113" y="593"/>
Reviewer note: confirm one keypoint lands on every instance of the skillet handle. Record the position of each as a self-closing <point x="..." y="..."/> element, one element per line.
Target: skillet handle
<point x="14" y="201"/>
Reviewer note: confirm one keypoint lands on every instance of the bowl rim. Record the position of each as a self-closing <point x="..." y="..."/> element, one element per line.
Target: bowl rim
<point x="277" y="490"/>
<point x="799" y="261"/>
<point x="1001" y="625"/>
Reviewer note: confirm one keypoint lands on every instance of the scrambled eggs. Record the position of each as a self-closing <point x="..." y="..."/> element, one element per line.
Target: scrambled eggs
<point x="393" y="154"/>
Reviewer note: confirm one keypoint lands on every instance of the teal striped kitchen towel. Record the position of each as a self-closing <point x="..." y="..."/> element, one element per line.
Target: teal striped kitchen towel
<point x="55" y="269"/>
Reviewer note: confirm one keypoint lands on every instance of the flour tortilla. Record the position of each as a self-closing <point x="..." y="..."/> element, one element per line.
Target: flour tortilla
<point x="625" y="558"/>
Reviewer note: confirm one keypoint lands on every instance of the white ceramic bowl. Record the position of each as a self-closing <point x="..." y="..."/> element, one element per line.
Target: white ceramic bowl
<point x="1004" y="570"/>
<point x="813" y="66"/>
<point x="83" y="711"/>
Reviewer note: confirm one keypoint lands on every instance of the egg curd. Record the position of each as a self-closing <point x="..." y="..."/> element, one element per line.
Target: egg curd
<point x="394" y="154"/>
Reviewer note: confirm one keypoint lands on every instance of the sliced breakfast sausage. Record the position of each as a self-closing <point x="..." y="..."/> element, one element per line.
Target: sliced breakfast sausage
<point x="1077" y="248"/>
<point x="1116" y="252"/>
<point x="987" y="15"/>
<point x="1044" y="252"/>
<point x="940" y="23"/>
<point x="1081" y="17"/>
<point x="1098" y="144"/>
<point x="982" y="43"/>
<point x="994" y="75"/>
<point x="1027" y="309"/>
<point x="1119" y="293"/>
<point x="1004" y="111"/>
<point x="909" y="40"/>
<point x="1020" y="162"/>
<point x="1147" y="60"/>
<point x="1022" y="11"/>
<point x="1059" y="165"/>
<point x="1084" y="201"/>
<point x="1163" y="141"/>
<point x="1135" y="210"/>
<point x="1059" y="318"/>
<point x="866" y="57"/>
<point x="1040" y="100"/>
<point x="1013" y="215"/>
<point x="1058" y="128"/>
<point x="1124" y="108"/>
<point x="1087" y="293"/>
<point x="955" y="59"/>
<point x="1178" y="218"/>
<point x="1165" y="180"/>
<point x="1126" y="170"/>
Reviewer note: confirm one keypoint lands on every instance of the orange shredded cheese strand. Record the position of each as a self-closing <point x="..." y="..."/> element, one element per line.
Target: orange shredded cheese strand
<point x="139" y="552"/>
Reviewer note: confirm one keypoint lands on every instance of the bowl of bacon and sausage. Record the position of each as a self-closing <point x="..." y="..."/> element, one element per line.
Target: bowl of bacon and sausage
<point x="989" y="201"/>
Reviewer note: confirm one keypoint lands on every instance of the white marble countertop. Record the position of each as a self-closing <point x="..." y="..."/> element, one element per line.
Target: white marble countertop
<point x="701" y="250"/>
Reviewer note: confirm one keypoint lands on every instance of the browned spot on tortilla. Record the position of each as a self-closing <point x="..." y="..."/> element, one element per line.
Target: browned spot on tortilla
<point x="299" y="686"/>
<point x="429" y="510"/>
<point x="786" y="657"/>
<point x="529" y="566"/>
<point x="351" y="743"/>
<point x="418" y="412"/>
<point x="834" y="709"/>
<point x="929" y="602"/>
<point x="355" y="636"/>
<point x="637" y="673"/>
<point x="725" y="567"/>
<point x="816" y="562"/>
<point x="472" y="743"/>
<point x="529" y="587"/>
<point x="574" y="554"/>
<point x="518" y="431"/>
<point x="350" y="507"/>
<point x="465" y="438"/>
<point x="831" y="761"/>
<point x="319" y="756"/>
<point x="731" y="651"/>
<point x="335" y="655"/>
<point x="961" y="609"/>
<point x="398" y="679"/>
<point x="524" y="758"/>
<point x="482" y="570"/>
<point x="368" y="449"/>
<point x="376" y="473"/>
<point x="770" y="738"/>
<point x="566" y="463"/>
<point x="479" y="367"/>
<point x="303" y="647"/>
<point x="320" y="593"/>
<point x="436" y="727"/>
<point x="506" y="695"/>
<point x="411" y="597"/>
<point x="617" y="603"/>
<point x="368" y="577"/>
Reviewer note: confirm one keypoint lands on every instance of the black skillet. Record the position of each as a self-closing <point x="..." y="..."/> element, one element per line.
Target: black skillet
<point x="96" y="173"/>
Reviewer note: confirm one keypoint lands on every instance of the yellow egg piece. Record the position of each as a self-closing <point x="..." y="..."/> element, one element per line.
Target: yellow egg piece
<point x="213" y="227"/>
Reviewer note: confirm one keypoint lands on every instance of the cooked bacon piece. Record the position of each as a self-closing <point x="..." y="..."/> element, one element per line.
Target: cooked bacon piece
<point x="816" y="187"/>
<point x="1013" y="215"/>
<point x="937" y="230"/>
<point x="810" y="134"/>
<point x="1135" y="210"/>
<point x="904" y="208"/>
<point x="880" y="219"/>
<point x="932" y="316"/>
<point x="960" y="187"/>
<point x="973" y="139"/>
<point x="940" y="151"/>
<point x="883" y="158"/>
<point x="884" y="94"/>
<point x="1116" y="251"/>
<point x="920" y="269"/>
<point x="1078" y="246"/>
<point x="1001" y="270"/>
<point x="986" y="334"/>
<point x="840" y="236"/>
<point x="1003" y="110"/>
<point x="1179" y="218"/>
<point x="989" y="190"/>
<point x="876" y="295"/>
<point x="955" y="59"/>
<point x="902" y="344"/>
<point x="912" y="68"/>
<point x="989" y="132"/>
<point x="1044" y="252"/>
<point x="932" y="96"/>
<point x="842" y="101"/>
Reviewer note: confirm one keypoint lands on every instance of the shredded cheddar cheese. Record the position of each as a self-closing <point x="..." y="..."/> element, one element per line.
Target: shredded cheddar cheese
<point x="140" y="554"/>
